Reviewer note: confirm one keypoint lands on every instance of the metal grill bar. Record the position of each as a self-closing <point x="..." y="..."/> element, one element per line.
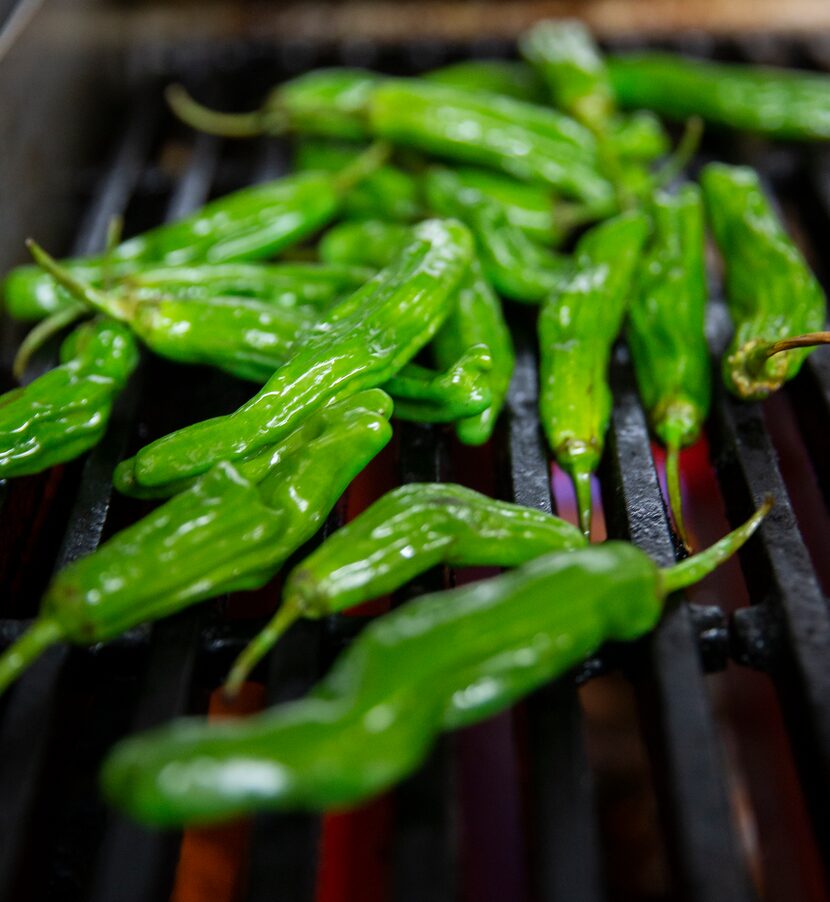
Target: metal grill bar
<point x="147" y="858"/>
<point x="22" y="748"/>
<point x="683" y="743"/>
<point x="565" y="849"/>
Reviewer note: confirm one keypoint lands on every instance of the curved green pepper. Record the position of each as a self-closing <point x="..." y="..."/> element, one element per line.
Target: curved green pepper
<point x="249" y="224"/>
<point x="775" y="301"/>
<point x="577" y="329"/>
<point x="666" y="330"/>
<point x="475" y="319"/>
<point x="361" y="342"/>
<point x="516" y="267"/>
<point x="224" y="533"/>
<point x="408" y="531"/>
<point x="65" y="411"/>
<point x="438" y="663"/>
<point x="778" y="102"/>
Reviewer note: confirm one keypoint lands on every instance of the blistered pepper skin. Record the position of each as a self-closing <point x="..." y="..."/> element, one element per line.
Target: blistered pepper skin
<point x="65" y="412"/>
<point x="441" y="662"/>
<point x="666" y="325"/>
<point x="250" y="224"/>
<point x="361" y="343"/>
<point x="782" y="103"/>
<point x="577" y="330"/>
<point x="223" y="533"/>
<point x="771" y="293"/>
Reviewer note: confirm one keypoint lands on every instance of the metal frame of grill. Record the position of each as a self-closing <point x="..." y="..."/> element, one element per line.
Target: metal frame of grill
<point x="165" y="671"/>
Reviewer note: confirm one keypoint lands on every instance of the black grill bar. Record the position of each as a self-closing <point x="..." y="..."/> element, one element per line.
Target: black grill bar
<point x="25" y="726"/>
<point x="565" y="846"/>
<point x="148" y="858"/>
<point x="683" y="739"/>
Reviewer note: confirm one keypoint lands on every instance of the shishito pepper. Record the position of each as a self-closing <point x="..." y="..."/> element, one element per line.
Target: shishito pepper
<point x="441" y="662"/>
<point x="406" y="532"/>
<point x="666" y="330"/>
<point x="776" y="303"/>
<point x="361" y="343"/>
<point x="250" y="339"/>
<point x="509" y="77"/>
<point x="475" y="319"/>
<point x="515" y="266"/>
<point x="224" y="533"/>
<point x="780" y="102"/>
<point x="578" y="326"/>
<point x="65" y="411"/>
<point x="250" y="224"/>
<point x="527" y="141"/>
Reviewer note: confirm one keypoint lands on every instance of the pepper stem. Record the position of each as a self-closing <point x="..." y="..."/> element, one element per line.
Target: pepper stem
<point x="808" y="340"/>
<point x="258" y="647"/>
<point x="41" y="333"/>
<point x="375" y="155"/>
<point x="679" y="159"/>
<point x="693" y="569"/>
<point x="226" y="125"/>
<point x="90" y="297"/>
<point x="675" y="495"/>
<point x="582" y="489"/>
<point x="31" y="645"/>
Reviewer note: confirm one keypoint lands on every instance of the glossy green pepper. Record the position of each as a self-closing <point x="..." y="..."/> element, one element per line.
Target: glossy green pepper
<point x="476" y="319"/>
<point x="782" y="103"/>
<point x="281" y="284"/>
<point x="666" y="330"/>
<point x="250" y="339"/>
<point x="361" y="342"/>
<point x="65" y="411"/>
<point x="250" y="224"/>
<point x="388" y="193"/>
<point x="509" y="77"/>
<point x="441" y="662"/>
<point x="408" y="531"/>
<point x="775" y="301"/>
<point x="224" y="533"/>
<point x="515" y="266"/>
<point x="578" y="326"/>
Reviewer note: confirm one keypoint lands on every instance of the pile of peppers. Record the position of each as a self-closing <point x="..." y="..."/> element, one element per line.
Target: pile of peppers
<point x="377" y="283"/>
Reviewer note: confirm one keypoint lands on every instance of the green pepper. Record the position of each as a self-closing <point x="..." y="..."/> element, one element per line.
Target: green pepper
<point x="779" y="102"/>
<point x="508" y="77"/>
<point x="281" y="284"/>
<point x="388" y="193"/>
<point x="775" y="301"/>
<point x="475" y="319"/>
<point x="249" y="224"/>
<point x="666" y="330"/>
<point x="361" y="342"/>
<point x="408" y="531"/>
<point x="441" y="662"/>
<point x="224" y="533"/>
<point x="65" y="411"/>
<point x="578" y="326"/>
<point x="515" y="266"/>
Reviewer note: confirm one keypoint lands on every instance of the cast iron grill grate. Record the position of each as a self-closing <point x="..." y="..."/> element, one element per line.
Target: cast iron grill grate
<point x="56" y="840"/>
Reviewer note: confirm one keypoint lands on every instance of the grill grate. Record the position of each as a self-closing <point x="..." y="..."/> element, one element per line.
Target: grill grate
<point x="168" y="670"/>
